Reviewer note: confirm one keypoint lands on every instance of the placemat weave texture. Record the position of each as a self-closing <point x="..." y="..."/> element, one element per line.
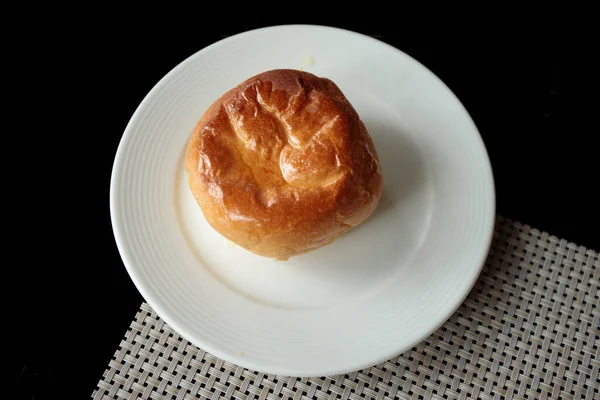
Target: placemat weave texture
<point x="529" y="329"/>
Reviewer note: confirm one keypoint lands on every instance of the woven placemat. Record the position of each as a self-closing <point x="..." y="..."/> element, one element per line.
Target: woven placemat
<point x="528" y="330"/>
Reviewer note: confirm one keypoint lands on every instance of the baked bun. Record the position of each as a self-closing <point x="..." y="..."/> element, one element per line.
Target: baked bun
<point x="282" y="164"/>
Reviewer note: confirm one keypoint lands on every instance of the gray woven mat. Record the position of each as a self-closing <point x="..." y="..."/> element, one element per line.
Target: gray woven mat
<point x="529" y="329"/>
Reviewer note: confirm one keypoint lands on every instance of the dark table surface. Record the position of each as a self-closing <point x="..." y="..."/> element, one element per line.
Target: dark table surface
<point x="525" y="89"/>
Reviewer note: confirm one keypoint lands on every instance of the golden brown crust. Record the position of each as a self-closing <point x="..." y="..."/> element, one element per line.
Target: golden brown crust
<point x="282" y="164"/>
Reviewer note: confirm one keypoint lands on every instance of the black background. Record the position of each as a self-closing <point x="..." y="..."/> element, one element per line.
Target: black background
<point x="525" y="85"/>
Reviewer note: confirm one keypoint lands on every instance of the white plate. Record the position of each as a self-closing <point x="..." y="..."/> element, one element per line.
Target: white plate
<point x="372" y="294"/>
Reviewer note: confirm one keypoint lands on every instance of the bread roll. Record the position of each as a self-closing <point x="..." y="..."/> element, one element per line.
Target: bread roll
<point x="282" y="164"/>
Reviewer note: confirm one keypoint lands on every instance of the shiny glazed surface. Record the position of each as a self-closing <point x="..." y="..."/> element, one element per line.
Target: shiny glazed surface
<point x="282" y="164"/>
